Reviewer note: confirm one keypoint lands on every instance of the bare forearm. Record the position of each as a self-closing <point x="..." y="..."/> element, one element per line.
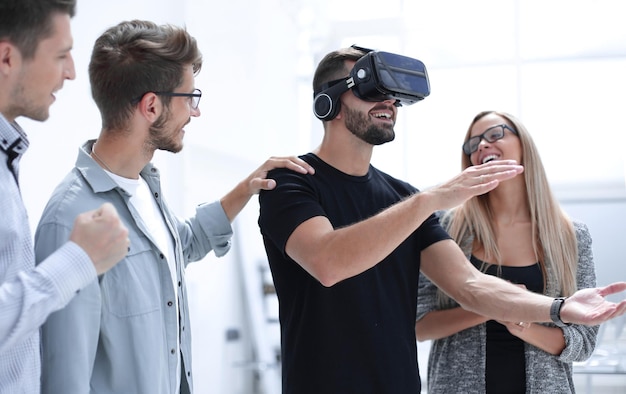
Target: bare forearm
<point x="235" y="200"/>
<point x="548" y="339"/>
<point x="448" y="268"/>
<point x="443" y="323"/>
<point x="332" y="255"/>
<point x="503" y="301"/>
<point x="500" y="300"/>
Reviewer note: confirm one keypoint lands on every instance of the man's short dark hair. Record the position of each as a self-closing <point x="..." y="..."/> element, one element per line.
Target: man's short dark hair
<point x="333" y="66"/>
<point x="24" y="23"/>
<point x="136" y="57"/>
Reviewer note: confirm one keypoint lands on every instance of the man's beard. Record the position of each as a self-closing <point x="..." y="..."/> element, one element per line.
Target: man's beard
<point x="161" y="137"/>
<point x="360" y="125"/>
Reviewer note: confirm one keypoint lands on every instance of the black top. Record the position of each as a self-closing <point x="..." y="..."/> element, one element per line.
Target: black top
<point x="506" y="363"/>
<point x="357" y="336"/>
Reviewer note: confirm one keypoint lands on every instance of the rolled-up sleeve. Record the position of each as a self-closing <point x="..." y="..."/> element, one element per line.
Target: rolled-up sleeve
<point x="208" y="230"/>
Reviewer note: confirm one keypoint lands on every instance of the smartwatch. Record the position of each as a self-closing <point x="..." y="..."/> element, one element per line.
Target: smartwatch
<point x="555" y="312"/>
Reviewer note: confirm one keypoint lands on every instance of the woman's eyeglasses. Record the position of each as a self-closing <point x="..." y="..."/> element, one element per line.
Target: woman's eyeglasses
<point x="492" y="134"/>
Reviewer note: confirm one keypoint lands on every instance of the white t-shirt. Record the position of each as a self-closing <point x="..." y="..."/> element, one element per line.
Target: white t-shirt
<point x="143" y="201"/>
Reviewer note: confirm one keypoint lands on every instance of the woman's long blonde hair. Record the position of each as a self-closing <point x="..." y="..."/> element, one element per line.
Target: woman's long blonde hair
<point x="555" y="238"/>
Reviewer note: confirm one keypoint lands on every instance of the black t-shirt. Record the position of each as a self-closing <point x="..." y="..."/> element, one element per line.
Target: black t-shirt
<point x="505" y="370"/>
<point x="357" y="336"/>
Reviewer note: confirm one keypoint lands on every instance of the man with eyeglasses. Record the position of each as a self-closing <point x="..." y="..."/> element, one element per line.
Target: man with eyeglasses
<point x="128" y="332"/>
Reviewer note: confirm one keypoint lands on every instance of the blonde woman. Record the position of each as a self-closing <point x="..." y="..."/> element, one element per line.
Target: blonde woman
<point x="518" y="232"/>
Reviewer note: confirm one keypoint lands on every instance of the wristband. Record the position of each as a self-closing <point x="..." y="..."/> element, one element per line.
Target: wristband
<point x="555" y="312"/>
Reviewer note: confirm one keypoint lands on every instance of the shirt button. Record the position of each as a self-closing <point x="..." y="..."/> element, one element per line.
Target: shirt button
<point x="173" y="351"/>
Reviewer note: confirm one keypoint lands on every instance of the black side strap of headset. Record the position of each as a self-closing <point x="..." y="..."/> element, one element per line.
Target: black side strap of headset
<point x="358" y="48"/>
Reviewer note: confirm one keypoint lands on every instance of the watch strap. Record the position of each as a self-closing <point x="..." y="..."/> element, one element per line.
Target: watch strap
<point x="555" y="312"/>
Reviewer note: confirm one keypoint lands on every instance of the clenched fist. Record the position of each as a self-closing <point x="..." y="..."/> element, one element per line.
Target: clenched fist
<point x="102" y="236"/>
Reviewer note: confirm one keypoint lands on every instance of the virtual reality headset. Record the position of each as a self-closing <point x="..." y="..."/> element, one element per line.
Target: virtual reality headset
<point x="377" y="76"/>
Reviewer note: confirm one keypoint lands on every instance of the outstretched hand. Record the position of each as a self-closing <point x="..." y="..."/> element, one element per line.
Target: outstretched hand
<point x="589" y="306"/>
<point x="474" y="181"/>
<point x="258" y="180"/>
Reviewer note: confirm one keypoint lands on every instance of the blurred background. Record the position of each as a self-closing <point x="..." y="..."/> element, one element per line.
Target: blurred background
<point x="558" y="65"/>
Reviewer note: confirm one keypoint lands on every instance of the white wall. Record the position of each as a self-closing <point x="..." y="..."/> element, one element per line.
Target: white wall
<point x="557" y="64"/>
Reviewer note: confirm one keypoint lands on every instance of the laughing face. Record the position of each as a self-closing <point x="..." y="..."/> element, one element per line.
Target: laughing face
<point x="44" y="74"/>
<point x="375" y="126"/>
<point x="372" y="122"/>
<point x="506" y="148"/>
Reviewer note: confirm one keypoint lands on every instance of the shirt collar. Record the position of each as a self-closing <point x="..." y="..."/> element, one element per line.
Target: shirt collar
<point x="11" y="134"/>
<point x="95" y="175"/>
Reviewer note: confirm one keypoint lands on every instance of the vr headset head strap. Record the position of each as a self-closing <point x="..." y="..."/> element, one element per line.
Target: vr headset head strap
<point x="326" y="104"/>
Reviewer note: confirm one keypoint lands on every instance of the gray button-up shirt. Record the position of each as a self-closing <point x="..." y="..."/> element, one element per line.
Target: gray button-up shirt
<point x="119" y="334"/>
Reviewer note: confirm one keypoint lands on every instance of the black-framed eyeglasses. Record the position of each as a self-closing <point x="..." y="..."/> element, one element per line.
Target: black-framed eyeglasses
<point x="492" y="134"/>
<point x="194" y="96"/>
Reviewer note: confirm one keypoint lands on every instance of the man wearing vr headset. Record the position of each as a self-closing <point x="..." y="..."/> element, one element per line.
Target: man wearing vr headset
<point x="346" y="244"/>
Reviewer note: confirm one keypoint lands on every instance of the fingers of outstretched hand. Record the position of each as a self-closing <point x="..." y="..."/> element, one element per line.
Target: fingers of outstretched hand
<point x="590" y="307"/>
<point x="486" y="177"/>
<point x="474" y="181"/>
<point x="613" y="288"/>
<point x="102" y="235"/>
<point x="498" y="170"/>
<point x="620" y="309"/>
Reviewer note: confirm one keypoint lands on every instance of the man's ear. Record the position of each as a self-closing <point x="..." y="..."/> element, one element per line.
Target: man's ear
<point x="150" y="106"/>
<point x="9" y="56"/>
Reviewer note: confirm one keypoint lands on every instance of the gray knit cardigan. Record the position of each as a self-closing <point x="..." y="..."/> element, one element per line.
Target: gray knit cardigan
<point x="456" y="364"/>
